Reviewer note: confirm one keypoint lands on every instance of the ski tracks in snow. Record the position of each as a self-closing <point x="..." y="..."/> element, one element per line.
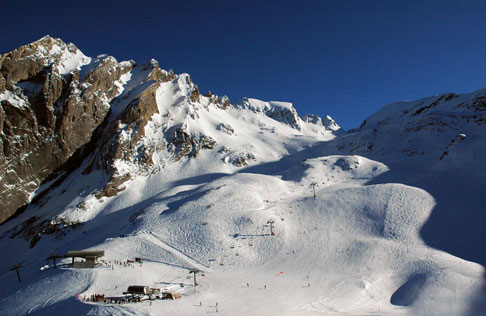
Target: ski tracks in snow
<point x="151" y="237"/>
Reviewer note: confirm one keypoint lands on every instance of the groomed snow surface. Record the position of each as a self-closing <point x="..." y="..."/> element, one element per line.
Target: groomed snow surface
<point x="353" y="249"/>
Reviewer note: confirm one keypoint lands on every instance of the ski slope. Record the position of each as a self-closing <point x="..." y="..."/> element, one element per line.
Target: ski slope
<point x="354" y="249"/>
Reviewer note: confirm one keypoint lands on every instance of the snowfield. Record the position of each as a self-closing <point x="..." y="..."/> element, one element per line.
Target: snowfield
<point x="354" y="249"/>
<point x="284" y="216"/>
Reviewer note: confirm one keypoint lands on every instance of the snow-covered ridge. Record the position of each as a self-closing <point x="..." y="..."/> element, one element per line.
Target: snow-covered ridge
<point x="155" y="118"/>
<point x="186" y="124"/>
<point x="444" y="104"/>
<point x="158" y="117"/>
<point x="286" y="113"/>
<point x="262" y="106"/>
<point x="431" y="129"/>
<point x="280" y="111"/>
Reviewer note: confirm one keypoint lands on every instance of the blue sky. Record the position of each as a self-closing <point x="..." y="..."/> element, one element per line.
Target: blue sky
<point x="346" y="59"/>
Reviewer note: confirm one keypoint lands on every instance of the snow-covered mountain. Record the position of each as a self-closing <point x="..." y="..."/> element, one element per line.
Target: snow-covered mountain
<point x="62" y="110"/>
<point x="385" y="219"/>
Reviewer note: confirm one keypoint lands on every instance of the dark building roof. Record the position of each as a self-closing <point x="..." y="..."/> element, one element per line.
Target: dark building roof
<point x="87" y="253"/>
<point x="137" y="289"/>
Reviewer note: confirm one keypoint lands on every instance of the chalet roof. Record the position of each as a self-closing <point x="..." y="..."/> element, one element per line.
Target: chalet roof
<point x="137" y="289"/>
<point x="86" y="253"/>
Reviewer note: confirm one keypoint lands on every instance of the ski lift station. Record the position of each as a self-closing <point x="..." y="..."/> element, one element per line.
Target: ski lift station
<point x="145" y="292"/>
<point x="88" y="258"/>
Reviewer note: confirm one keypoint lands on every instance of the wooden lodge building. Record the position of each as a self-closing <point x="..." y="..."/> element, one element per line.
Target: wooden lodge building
<point x="89" y="256"/>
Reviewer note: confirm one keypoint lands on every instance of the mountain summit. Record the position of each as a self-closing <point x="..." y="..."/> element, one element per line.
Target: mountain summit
<point x="61" y="110"/>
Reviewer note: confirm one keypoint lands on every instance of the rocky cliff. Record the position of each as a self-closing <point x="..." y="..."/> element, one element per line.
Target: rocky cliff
<point x="62" y="111"/>
<point x="49" y="109"/>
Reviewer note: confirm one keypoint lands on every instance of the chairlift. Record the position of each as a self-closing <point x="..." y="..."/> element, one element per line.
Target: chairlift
<point x="271" y="222"/>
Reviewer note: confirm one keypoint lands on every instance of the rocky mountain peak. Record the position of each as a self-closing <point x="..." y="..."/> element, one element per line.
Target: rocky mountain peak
<point x="65" y="116"/>
<point x="29" y="60"/>
<point x="52" y="100"/>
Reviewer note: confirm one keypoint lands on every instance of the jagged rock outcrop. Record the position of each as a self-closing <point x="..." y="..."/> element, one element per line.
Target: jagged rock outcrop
<point x="121" y="137"/>
<point x="124" y="147"/>
<point x="48" y="109"/>
<point x="226" y="128"/>
<point x="184" y="144"/>
<point x="221" y="102"/>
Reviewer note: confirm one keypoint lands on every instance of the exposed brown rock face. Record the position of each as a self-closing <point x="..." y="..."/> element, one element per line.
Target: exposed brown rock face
<point x="111" y="141"/>
<point x="65" y="117"/>
<point x="114" y="147"/>
<point x="184" y="144"/>
<point x="54" y="112"/>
